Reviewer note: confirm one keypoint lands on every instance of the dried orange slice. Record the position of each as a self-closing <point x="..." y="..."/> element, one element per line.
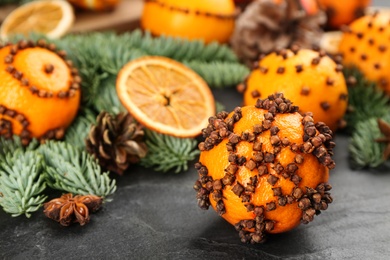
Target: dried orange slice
<point x="165" y="96"/>
<point x="52" y="18"/>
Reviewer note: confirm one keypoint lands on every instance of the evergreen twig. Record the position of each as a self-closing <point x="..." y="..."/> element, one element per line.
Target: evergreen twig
<point x="73" y="171"/>
<point x="168" y="153"/>
<point x="365" y="99"/>
<point x="78" y="131"/>
<point x="219" y="74"/>
<point x="11" y="145"/>
<point x="108" y="99"/>
<point x="21" y="182"/>
<point x="364" y="151"/>
<point x="179" y="49"/>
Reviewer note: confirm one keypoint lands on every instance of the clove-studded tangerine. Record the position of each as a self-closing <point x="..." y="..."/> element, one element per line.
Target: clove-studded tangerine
<point x="365" y="45"/>
<point x="341" y="13"/>
<point x="208" y="20"/>
<point x="265" y="168"/>
<point x="309" y="78"/>
<point x="40" y="91"/>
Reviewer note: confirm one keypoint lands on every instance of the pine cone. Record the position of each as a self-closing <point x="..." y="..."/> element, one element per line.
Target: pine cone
<point x="266" y="26"/>
<point x="116" y="141"/>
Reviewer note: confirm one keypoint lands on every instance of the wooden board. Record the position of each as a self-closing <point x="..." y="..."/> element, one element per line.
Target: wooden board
<point x="124" y="18"/>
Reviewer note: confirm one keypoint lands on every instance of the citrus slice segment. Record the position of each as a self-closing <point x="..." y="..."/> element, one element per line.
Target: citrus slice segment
<point x="52" y="18"/>
<point x="165" y="96"/>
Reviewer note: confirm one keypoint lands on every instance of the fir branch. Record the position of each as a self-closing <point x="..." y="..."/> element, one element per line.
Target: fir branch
<point x="11" y="145"/>
<point x="180" y="49"/>
<point x="21" y="183"/>
<point x="364" y="151"/>
<point x="365" y="99"/>
<point x="78" y="131"/>
<point x="73" y="171"/>
<point x="219" y="74"/>
<point x="86" y="56"/>
<point x="108" y="100"/>
<point x="168" y="153"/>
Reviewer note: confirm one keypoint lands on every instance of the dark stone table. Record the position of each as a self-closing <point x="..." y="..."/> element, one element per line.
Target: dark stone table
<point x="155" y="216"/>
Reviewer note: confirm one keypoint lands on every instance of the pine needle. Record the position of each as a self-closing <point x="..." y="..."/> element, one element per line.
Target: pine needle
<point x="364" y="151"/>
<point x="366" y="100"/>
<point x="167" y="153"/>
<point x="219" y="74"/>
<point x="21" y="183"/>
<point x="78" y="131"/>
<point x="73" y="171"/>
<point x="11" y="145"/>
<point x="108" y="99"/>
<point x="180" y="49"/>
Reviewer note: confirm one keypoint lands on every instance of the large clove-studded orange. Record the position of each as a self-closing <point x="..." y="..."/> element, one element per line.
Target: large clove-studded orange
<point x="365" y="45"/>
<point x="39" y="92"/>
<point x="308" y="78"/>
<point x="208" y="20"/>
<point x="265" y="168"/>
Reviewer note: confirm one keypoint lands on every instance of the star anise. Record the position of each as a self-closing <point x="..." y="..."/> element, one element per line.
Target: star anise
<point x="68" y="209"/>
<point x="384" y="127"/>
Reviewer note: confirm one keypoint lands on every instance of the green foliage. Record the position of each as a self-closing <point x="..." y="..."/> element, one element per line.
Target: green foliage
<point x="25" y="172"/>
<point x="11" y="145"/>
<point x="79" y="129"/>
<point x="108" y="100"/>
<point x="178" y="49"/>
<point x="219" y="74"/>
<point x="364" y="151"/>
<point x="368" y="103"/>
<point x="168" y="152"/>
<point x="366" y="100"/>
<point x="71" y="170"/>
<point x="21" y="182"/>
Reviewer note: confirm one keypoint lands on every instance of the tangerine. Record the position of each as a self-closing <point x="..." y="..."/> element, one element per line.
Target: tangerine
<point x="265" y="168"/>
<point x="209" y="20"/>
<point x="364" y="44"/>
<point x="343" y="12"/>
<point x="40" y="91"/>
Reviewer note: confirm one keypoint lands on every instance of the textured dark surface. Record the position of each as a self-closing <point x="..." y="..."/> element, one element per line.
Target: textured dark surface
<point x="155" y="216"/>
